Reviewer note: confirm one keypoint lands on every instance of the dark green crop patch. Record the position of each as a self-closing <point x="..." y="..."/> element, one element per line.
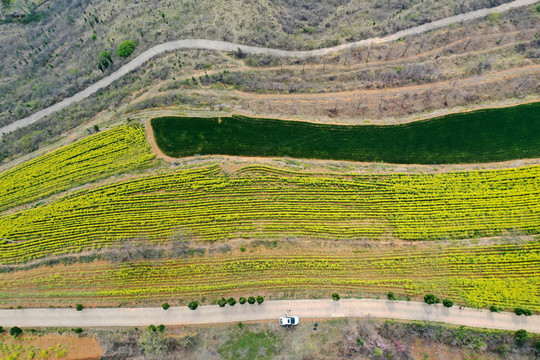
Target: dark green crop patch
<point x="481" y="136"/>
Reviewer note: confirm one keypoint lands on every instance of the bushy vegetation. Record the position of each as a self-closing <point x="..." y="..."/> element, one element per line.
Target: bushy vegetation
<point x="165" y="306"/>
<point x="193" y="305"/>
<point x="251" y="300"/>
<point x="335" y="296"/>
<point x="391" y="296"/>
<point x="125" y="48"/>
<point x="15" y="331"/>
<point x="431" y="299"/>
<point x="242" y="300"/>
<point x="522" y="311"/>
<point x="448" y="303"/>
<point x="79" y="307"/>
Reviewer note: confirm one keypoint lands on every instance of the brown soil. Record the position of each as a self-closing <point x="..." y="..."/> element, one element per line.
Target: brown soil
<point x="426" y="350"/>
<point x="77" y="348"/>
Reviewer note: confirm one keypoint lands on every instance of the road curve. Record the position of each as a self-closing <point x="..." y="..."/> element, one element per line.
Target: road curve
<point x="229" y="46"/>
<point x="269" y="310"/>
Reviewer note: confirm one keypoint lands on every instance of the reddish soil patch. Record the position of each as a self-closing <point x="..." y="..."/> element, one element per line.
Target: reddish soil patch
<point x="425" y="350"/>
<point x="65" y="347"/>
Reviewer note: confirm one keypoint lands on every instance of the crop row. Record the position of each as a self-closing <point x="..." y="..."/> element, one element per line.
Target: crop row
<point x="206" y="205"/>
<point x="121" y="149"/>
<point x="503" y="275"/>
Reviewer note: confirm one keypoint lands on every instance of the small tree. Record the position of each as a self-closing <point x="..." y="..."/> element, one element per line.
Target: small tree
<point x="242" y="300"/>
<point x="260" y="299"/>
<point x="193" y="305"/>
<point x="231" y="301"/>
<point x="521" y="337"/>
<point x="77" y="330"/>
<point x="125" y="48"/>
<point x="2" y="329"/>
<point x="222" y="302"/>
<point x="79" y="307"/>
<point x="166" y="306"/>
<point x="335" y="296"/>
<point x="15" y="331"/>
<point x="448" y="303"/>
<point x="251" y="300"/>
<point x="391" y="296"/>
<point x="161" y="328"/>
<point x="105" y="60"/>
<point x="431" y="299"/>
<point x="494" y="308"/>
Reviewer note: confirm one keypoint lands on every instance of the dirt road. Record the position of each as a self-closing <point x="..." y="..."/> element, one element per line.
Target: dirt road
<point x="269" y="310"/>
<point x="228" y="46"/>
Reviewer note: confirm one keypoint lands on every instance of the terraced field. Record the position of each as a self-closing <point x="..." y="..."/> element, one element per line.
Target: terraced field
<point x="503" y="275"/>
<point x="96" y="157"/>
<point x="481" y="136"/>
<point x="268" y="203"/>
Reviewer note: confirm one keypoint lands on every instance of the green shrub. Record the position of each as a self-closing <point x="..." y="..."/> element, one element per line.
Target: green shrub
<point x="105" y="60"/>
<point x="125" y="48"/>
<point x="242" y="300"/>
<point x="335" y="296"/>
<point x="151" y="328"/>
<point x="251" y="300"/>
<point x="193" y="305"/>
<point x="77" y="330"/>
<point x="231" y="301"/>
<point x="522" y="336"/>
<point x="94" y="36"/>
<point x="260" y="299"/>
<point x="391" y="296"/>
<point x="240" y="325"/>
<point x="431" y="299"/>
<point x="494" y="16"/>
<point x="166" y="306"/>
<point x="2" y="329"/>
<point x="494" y="308"/>
<point x="79" y="307"/>
<point x="15" y="331"/>
<point x="522" y="311"/>
<point x="222" y="302"/>
<point x="161" y="328"/>
<point x="448" y="303"/>
<point x="242" y="248"/>
<point x="538" y="8"/>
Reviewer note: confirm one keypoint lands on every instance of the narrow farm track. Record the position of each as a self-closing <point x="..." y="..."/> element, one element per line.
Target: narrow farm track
<point x="229" y="46"/>
<point x="269" y="310"/>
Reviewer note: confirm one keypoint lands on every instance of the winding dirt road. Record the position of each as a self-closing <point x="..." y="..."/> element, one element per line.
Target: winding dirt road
<point x="229" y="46"/>
<point x="269" y="310"/>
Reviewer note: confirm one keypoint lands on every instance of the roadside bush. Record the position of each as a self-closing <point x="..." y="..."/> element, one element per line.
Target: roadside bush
<point x="522" y="311"/>
<point x="448" y="303"/>
<point x="105" y="60"/>
<point x="431" y="299"/>
<point x="79" y="307"/>
<point x="161" y="328"/>
<point x="494" y="308"/>
<point x="335" y="296"/>
<point x="151" y="328"/>
<point x="125" y="48"/>
<point x="166" y="306"/>
<point x="251" y="300"/>
<point x="77" y="330"/>
<point x="260" y="299"/>
<point x="193" y="305"/>
<point x="231" y="301"/>
<point x="2" y="329"/>
<point x="242" y="300"/>
<point x="521" y="337"/>
<point x="391" y="296"/>
<point x="15" y="331"/>
<point x="222" y="302"/>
